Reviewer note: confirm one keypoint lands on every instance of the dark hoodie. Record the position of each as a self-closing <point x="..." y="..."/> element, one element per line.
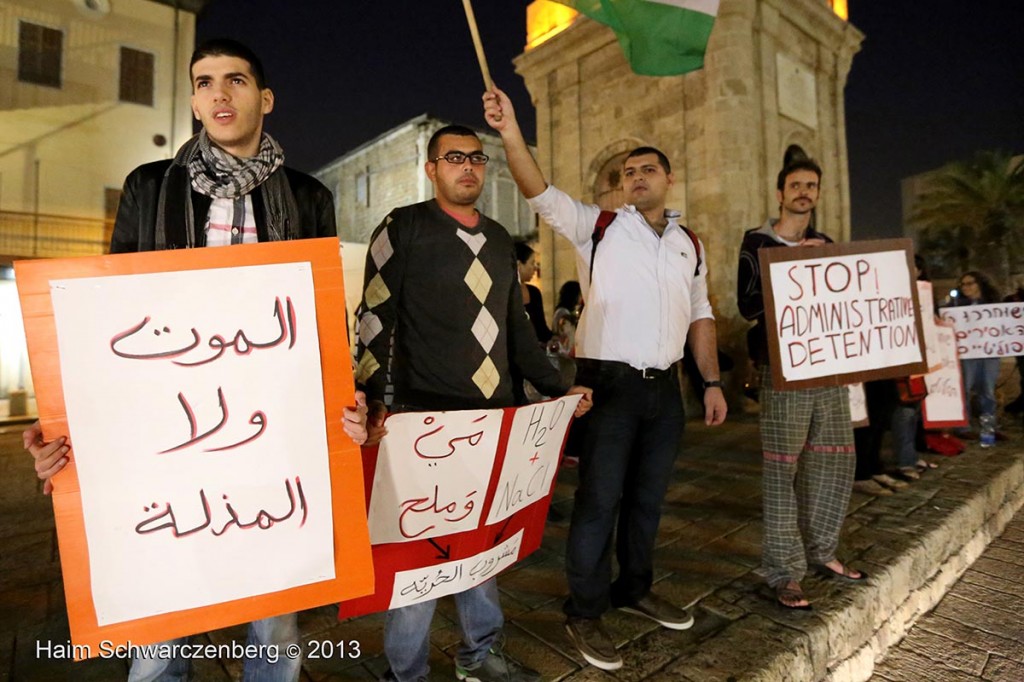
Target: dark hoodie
<point x="749" y="295"/>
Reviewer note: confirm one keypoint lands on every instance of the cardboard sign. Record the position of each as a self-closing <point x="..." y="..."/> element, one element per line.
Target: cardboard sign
<point x="842" y="313"/>
<point x="944" y="405"/>
<point x="202" y="391"/>
<point x="994" y="330"/>
<point x="457" y="497"/>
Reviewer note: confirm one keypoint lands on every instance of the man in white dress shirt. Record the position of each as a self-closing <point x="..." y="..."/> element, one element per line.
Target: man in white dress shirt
<point x="646" y="293"/>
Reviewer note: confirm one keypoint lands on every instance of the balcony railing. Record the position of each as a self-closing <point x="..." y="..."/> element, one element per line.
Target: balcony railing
<point x="38" y="235"/>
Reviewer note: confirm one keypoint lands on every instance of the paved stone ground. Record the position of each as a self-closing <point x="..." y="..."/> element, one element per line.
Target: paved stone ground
<point x="708" y="550"/>
<point x="976" y="632"/>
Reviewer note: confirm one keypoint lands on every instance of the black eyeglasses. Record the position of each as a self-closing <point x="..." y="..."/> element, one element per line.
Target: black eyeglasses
<point x="459" y="158"/>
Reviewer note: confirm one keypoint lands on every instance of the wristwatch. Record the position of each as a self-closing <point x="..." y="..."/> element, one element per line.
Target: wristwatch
<point x="716" y="383"/>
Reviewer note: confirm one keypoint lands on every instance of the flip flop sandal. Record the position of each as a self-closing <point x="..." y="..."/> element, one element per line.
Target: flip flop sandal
<point x="826" y="572"/>
<point x="787" y="597"/>
<point x="924" y="465"/>
<point x="909" y="474"/>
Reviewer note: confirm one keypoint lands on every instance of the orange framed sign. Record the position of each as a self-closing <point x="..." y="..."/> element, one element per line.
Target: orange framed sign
<point x="211" y="482"/>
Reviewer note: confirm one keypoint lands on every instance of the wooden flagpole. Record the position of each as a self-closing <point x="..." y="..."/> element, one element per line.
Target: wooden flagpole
<point x="488" y="83"/>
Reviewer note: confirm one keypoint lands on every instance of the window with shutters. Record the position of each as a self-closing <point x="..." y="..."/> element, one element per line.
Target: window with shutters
<point x="40" y="50"/>
<point x="136" y="76"/>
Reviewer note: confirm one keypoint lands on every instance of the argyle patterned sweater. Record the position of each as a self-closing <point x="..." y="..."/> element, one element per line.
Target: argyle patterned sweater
<point x="442" y="315"/>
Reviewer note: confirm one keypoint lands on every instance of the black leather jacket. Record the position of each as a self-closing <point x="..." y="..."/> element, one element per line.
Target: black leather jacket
<point x="135" y="227"/>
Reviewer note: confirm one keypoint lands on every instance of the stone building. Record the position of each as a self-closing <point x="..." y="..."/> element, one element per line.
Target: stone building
<point x="89" y="89"/>
<point x="774" y="75"/>
<point x="387" y="171"/>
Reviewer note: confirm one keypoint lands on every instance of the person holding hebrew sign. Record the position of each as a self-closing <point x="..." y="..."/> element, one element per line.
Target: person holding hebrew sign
<point x="980" y="374"/>
<point x="806" y="434"/>
<point x="227" y="185"/>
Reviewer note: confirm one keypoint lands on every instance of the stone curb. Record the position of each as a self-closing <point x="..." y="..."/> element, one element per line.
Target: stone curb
<point x="986" y="514"/>
<point x="853" y="626"/>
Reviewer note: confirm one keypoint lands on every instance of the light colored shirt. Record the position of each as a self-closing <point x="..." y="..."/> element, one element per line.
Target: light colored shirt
<point x="221" y="222"/>
<point x="644" y="294"/>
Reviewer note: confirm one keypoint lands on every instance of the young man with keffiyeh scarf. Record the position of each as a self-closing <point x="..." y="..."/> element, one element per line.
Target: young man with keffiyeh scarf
<point x="227" y="185"/>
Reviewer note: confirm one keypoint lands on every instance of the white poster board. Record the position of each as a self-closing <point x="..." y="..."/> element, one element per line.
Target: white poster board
<point x="200" y="440"/>
<point x="434" y="468"/>
<point x="452" y="577"/>
<point x="432" y="474"/>
<point x="944" y="404"/>
<point x="531" y="456"/>
<point x="845" y="314"/>
<point x="994" y="330"/>
<point x="926" y="298"/>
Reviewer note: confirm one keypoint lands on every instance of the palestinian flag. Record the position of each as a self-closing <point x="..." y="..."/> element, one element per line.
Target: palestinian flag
<point x="659" y="37"/>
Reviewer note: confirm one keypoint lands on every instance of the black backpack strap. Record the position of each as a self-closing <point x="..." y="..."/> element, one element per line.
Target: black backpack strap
<point x="604" y="219"/>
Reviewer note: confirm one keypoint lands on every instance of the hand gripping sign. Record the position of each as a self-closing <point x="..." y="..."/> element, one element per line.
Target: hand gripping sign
<point x="202" y="390"/>
<point x="841" y="313"/>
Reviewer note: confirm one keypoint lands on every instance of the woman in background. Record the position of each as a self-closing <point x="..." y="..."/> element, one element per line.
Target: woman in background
<point x="567" y="316"/>
<point x="980" y="374"/>
<point x="532" y="301"/>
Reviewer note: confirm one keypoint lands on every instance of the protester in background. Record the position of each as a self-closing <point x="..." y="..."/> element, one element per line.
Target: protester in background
<point x="566" y="317"/>
<point x="892" y="404"/>
<point x="1016" y="406"/>
<point x="564" y="322"/>
<point x="529" y="267"/>
<point x="980" y="374"/>
<point x="882" y="401"/>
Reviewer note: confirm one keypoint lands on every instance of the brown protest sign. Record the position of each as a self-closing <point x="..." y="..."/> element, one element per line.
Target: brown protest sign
<point x="842" y="313"/>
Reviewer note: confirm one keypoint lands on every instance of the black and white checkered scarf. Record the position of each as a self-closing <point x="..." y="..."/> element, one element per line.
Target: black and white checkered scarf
<point x="215" y="173"/>
<point x="220" y="175"/>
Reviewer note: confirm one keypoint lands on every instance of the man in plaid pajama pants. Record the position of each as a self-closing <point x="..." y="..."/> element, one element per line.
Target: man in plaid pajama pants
<point x="806" y="435"/>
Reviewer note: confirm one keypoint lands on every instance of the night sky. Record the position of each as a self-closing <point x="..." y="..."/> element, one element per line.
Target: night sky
<point x="935" y="79"/>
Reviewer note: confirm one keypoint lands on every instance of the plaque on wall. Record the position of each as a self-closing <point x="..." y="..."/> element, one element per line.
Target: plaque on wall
<point x="798" y="98"/>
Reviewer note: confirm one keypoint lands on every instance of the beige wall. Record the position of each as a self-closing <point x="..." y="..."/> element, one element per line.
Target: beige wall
<point x="83" y="138"/>
<point x="721" y="127"/>
<point x="80" y="137"/>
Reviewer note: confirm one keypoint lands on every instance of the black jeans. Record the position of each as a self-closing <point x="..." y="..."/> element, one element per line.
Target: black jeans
<point x="630" y="449"/>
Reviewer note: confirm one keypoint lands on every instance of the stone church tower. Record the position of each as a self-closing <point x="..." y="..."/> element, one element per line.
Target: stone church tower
<point x="774" y="76"/>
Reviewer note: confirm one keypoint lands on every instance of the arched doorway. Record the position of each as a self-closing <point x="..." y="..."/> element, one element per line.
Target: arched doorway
<point x="608" y="192"/>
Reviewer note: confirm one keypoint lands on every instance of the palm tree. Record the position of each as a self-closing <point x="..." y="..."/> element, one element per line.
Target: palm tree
<point x="972" y="215"/>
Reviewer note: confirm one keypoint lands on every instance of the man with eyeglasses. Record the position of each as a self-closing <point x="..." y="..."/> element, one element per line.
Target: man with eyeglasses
<point x="646" y="291"/>
<point x="442" y="314"/>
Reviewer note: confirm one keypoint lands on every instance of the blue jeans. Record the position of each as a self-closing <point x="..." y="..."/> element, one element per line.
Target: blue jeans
<point x="904" y="434"/>
<point x="277" y="632"/>
<point x="630" y="450"/>
<point x="407" y="632"/>
<point x="980" y="376"/>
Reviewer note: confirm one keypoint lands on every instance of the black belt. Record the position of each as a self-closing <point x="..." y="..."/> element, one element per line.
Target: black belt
<point x="616" y="368"/>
